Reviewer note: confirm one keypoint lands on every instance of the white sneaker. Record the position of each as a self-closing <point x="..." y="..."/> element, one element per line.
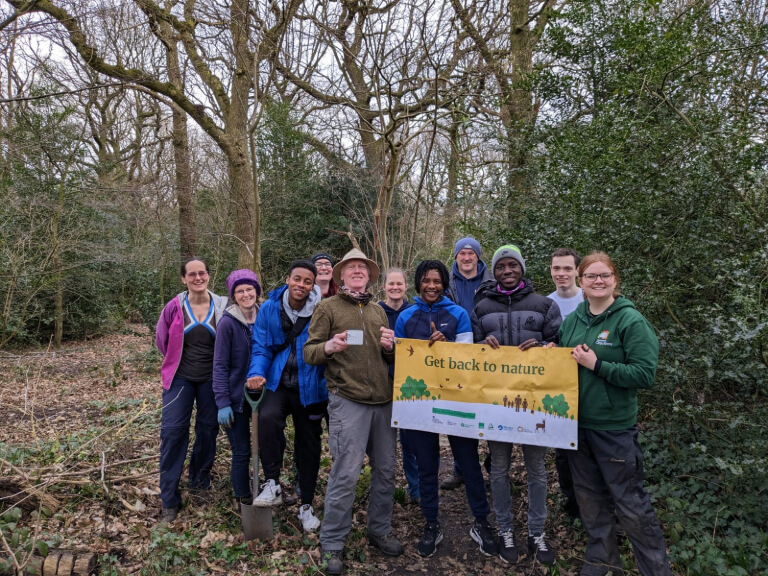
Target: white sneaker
<point x="271" y="495"/>
<point x="308" y="518"/>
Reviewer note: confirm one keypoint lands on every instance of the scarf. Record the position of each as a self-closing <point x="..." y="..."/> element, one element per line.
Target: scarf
<point x="508" y="292"/>
<point x="361" y="297"/>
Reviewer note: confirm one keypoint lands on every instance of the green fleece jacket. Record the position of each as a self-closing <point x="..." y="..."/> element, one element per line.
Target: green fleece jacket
<point x="628" y="350"/>
<point x="358" y="373"/>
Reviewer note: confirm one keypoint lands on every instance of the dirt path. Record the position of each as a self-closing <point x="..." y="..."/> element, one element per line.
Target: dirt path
<point x="82" y="424"/>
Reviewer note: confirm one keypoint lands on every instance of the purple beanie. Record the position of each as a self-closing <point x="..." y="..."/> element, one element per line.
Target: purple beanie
<point x="242" y="276"/>
<point x="469" y="243"/>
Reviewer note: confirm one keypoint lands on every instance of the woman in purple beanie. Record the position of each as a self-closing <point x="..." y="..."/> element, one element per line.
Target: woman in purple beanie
<point x="230" y="366"/>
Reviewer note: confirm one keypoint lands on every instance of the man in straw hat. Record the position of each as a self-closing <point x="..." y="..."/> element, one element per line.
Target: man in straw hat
<point x="350" y="335"/>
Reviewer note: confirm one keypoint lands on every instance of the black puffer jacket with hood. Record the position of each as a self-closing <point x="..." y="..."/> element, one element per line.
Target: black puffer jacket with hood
<point x="514" y="318"/>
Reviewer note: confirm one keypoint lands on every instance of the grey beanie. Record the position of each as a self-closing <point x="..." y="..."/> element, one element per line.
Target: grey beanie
<point x="508" y="251"/>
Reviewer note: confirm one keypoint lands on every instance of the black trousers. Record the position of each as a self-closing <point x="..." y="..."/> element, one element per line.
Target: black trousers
<point x="273" y="414"/>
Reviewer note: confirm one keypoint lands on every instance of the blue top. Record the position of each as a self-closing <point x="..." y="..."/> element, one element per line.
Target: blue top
<point x="449" y="318"/>
<point x="268" y="336"/>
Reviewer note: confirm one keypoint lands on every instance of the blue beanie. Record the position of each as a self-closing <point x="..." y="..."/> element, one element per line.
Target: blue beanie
<point x="468" y="243"/>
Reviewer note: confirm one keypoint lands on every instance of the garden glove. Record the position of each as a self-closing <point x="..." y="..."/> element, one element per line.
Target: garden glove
<point x="226" y="417"/>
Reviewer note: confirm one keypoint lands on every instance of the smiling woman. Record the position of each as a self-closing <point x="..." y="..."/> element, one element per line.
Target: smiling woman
<point x="185" y="335"/>
<point x="230" y="367"/>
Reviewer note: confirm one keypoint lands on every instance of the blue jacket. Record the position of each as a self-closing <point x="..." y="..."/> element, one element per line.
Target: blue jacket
<point x="462" y="290"/>
<point x="449" y="318"/>
<point x="268" y="335"/>
<point x="231" y="356"/>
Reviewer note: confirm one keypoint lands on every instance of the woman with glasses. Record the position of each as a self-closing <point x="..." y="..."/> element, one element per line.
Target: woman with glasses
<point x="231" y="359"/>
<point x="324" y="264"/>
<point x="617" y="352"/>
<point x="185" y="336"/>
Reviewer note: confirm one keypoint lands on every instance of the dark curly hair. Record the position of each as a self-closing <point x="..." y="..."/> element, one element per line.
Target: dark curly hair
<point x="427" y="265"/>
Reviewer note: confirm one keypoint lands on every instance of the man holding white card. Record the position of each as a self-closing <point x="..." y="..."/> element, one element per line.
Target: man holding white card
<point x="350" y="335"/>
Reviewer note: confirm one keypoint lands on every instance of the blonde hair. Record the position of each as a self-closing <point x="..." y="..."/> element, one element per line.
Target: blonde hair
<point x="599" y="256"/>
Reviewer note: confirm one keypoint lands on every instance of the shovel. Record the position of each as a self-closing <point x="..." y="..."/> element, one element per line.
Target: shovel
<point x="257" y="521"/>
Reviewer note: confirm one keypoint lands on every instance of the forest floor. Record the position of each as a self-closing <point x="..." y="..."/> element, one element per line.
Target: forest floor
<point x="81" y="424"/>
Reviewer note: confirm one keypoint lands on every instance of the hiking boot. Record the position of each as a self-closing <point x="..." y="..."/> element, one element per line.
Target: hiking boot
<point x="482" y="533"/>
<point x="333" y="561"/>
<point x="308" y="519"/>
<point x="433" y="535"/>
<point x="290" y="499"/>
<point x="544" y="553"/>
<point x="387" y="543"/>
<point x="507" y="549"/>
<point x="168" y="515"/>
<point x="271" y="495"/>
<point x="452" y="482"/>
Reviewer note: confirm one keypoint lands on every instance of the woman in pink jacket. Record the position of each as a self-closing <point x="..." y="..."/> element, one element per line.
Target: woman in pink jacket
<point x="185" y="335"/>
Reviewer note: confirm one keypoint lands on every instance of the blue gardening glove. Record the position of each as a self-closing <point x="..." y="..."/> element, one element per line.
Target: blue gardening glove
<point x="226" y="417"/>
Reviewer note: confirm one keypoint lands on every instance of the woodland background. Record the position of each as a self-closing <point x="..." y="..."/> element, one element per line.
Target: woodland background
<point x="136" y="133"/>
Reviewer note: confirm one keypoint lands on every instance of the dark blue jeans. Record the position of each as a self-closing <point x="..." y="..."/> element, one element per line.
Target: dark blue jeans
<point x="178" y="402"/>
<point x="410" y="466"/>
<point x="608" y="477"/>
<point x="426" y="446"/>
<point x="240" y="442"/>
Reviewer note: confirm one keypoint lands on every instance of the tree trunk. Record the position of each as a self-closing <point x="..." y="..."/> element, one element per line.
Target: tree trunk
<point x="180" y="140"/>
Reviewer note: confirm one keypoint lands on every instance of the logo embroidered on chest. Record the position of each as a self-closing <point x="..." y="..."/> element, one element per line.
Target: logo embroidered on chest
<point x="530" y="322"/>
<point x="602" y="339"/>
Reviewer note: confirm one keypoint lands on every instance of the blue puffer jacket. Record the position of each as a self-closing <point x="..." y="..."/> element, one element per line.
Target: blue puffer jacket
<point x="449" y="318"/>
<point x="268" y="336"/>
<point x="231" y="356"/>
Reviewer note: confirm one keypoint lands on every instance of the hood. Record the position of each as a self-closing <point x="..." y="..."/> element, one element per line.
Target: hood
<point x="281" y="294"/>
<point x="234" y="311"/>
<point x="583" y="314"/>
<point x="389" y="309"/>
<point x="444" y="302"/>
<point x="459" y="277"/>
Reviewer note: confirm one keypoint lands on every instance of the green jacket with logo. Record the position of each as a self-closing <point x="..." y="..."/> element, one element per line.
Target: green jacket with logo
<point x="357" y="373"/>
<point x="628" y="350"/>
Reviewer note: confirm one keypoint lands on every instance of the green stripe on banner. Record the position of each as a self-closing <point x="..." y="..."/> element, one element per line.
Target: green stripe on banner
<point x="444" y="412"/>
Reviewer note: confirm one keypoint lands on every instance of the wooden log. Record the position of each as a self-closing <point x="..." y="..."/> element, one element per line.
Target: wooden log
<point x="19" y="492"/>
<point x="85" y="564"/>
<point x="51" y="565"/>
<point x="66" y="564"/>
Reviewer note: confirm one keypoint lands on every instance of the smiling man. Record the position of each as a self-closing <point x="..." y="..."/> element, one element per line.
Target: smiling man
<point x="509" y="313"/>
<point x="564" y="269"/>
<point x="292" y="387"/>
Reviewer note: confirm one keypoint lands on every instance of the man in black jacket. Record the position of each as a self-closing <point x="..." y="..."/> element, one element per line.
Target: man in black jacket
<point x="509" y="313"/>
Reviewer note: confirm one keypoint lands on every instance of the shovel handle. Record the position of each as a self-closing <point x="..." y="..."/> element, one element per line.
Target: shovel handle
<point x="254" y="403"/>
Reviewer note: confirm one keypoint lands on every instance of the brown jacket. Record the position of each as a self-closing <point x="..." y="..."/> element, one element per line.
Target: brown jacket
<point x="358" y="373"/>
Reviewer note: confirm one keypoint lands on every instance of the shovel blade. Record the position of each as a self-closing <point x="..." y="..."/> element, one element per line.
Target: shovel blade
<point x="257" y="522"/>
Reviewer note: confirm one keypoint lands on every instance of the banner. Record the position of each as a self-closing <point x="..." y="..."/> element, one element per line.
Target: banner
<point x="475" y="391"/>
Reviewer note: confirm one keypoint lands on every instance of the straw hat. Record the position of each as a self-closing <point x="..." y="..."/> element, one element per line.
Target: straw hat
<point x="356" y="254"/>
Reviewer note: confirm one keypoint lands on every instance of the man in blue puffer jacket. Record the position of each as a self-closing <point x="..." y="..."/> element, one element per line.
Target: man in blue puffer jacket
<point x="292" y="387"/>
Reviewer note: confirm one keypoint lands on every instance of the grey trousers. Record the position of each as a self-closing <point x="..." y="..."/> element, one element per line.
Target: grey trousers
<point x="608" y="478"/>
<point x="355" y="428"/>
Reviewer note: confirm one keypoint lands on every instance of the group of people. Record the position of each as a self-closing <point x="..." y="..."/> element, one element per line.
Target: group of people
<point x="320" y="347"/>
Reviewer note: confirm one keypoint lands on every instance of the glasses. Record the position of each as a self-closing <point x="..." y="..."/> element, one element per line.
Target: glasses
<point x="245" y="290"/>
<point x="323" y="265"/>
<point x="202" y="274"/>
<point x="361" y="266"/>
<point x="605" y="276"/>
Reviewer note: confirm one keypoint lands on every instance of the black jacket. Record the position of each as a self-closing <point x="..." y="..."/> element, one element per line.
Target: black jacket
<point x="514" y="318"/>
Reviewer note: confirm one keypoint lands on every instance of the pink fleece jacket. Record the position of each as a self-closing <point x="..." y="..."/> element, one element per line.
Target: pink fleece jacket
<point x="169" y="333"/>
